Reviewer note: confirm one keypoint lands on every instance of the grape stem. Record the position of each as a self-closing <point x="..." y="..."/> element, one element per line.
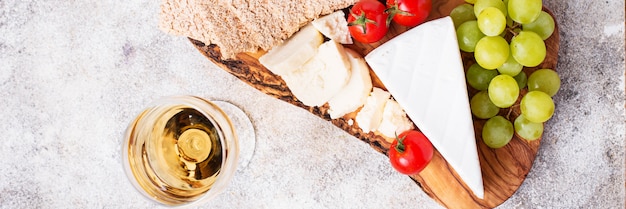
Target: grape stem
<point x="512" y="31"/>
<point x="508" y="115"/>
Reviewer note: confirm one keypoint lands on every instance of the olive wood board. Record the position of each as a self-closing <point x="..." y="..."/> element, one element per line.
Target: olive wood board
<point x="503" y="169"/>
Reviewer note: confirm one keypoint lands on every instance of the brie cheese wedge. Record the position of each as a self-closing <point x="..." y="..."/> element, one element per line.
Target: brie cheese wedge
<point x="320" y="78"/>
<point x="423" y="70"/>
<point x="354" y="94"/>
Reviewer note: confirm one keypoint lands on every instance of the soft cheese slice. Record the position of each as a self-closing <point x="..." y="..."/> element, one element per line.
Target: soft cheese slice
<point x="320" y="78"/>
<point x="423" y="70"/>
<point x="370" y="116"/>
<point x="334" y="26"/>
<point x="294" y="52"/>
<point x="394" y="120"/>
<point x="354" y="94"/>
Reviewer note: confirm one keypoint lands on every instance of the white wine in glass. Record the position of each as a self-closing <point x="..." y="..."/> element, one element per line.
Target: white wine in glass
<point x="184" y="150"/>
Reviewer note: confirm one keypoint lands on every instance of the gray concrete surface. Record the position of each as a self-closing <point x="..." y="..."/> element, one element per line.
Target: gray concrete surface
<point x="73" y="74"/>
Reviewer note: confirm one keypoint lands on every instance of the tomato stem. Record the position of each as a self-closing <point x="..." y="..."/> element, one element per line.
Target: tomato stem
<point x="361" y="20"/>
<point x="393" y="11"/>
<point x="400" y="146"/>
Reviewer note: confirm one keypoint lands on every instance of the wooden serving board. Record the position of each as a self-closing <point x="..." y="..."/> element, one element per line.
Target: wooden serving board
<point x="503" y="169"/>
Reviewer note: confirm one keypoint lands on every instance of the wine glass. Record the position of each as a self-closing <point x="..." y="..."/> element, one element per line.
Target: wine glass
<point x="184" y="150"/>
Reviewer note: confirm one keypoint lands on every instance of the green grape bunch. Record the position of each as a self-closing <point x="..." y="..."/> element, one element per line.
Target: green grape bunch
<point x="507" y="40"/>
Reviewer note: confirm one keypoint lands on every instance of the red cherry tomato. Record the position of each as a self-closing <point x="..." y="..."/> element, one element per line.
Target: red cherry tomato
<point x="410" y="152"/>
<point x="409" y="12"/>
<point x="367" y="21"/>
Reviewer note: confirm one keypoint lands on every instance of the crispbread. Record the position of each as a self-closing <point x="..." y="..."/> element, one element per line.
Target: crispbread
<point x="242" y="25"/>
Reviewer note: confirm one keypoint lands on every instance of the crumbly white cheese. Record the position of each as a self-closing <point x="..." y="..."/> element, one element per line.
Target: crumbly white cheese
<point x="370" y="116"/>
<point x="334" y="26"/>
<point x="394" y="120"/>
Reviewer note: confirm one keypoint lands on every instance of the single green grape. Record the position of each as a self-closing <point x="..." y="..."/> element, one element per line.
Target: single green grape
<point x="461" y="14"/>
<point x="524" y="11"/>
<point x="491" y="52"/>
<point x="545" y="80"/>
<point x="528" y="48"/>
<point x="482" y="107"/>
<point x="480" y="5"/>
<point x="526" y="129"/>
<point x="497" y="132"/>
<point x="479" y="77"/>
<point x="468" y="35"/>
<point x="509" y="21"/>
<point x="491" y="21"/>
<point x="503" y="91"/>
<point x="543" y="25"/>
<point x="537" y="106"/>
<point x="521" y="79"/>
<point x="510" y="67"/>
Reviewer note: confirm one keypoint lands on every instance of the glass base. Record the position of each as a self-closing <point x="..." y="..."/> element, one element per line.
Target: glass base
<point x="244" y="130"/>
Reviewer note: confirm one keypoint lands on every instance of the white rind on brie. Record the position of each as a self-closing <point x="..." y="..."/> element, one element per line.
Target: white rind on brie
<point x="423" y="70"/>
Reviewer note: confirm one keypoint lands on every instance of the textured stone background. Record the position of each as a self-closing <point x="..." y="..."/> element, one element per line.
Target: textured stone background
<point x="73" y="74"/>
